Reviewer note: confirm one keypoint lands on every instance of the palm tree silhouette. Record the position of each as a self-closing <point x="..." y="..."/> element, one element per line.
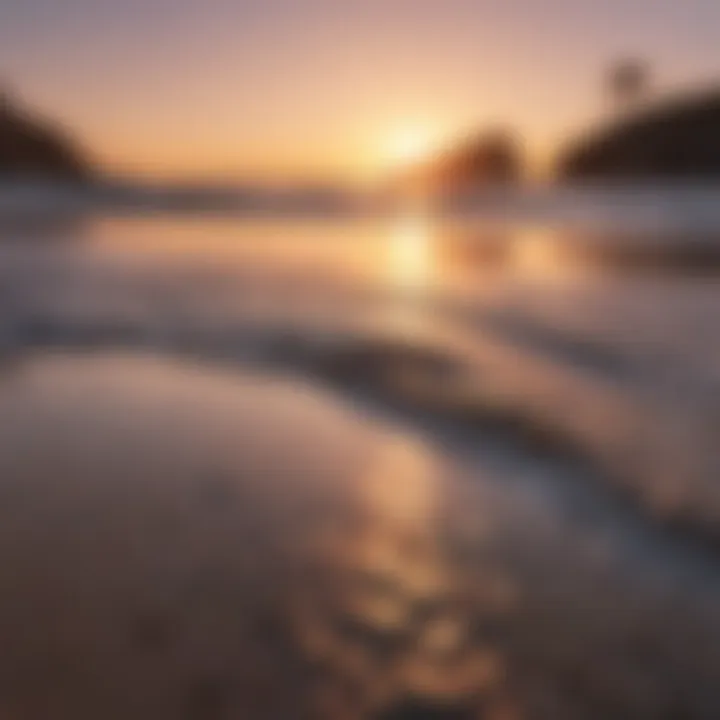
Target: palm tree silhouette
<point x="627" y="83"/>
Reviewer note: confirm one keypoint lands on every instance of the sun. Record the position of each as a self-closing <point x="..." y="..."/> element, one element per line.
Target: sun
<point x="410" y="146"/>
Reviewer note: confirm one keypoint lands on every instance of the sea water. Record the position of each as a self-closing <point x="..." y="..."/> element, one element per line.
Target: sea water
<point x="363" y="466"/>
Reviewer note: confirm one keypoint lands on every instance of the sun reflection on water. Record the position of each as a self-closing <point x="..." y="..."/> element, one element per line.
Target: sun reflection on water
<point x="411" y="262"/>
<point x="389" y="624"/>
<point x="409" y="276"/>
<point x="535" y="251"/>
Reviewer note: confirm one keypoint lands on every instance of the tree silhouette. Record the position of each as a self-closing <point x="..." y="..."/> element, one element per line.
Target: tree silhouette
<point x="627" y="82"/>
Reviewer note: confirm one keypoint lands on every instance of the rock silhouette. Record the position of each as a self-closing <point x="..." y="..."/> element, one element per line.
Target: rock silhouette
<point x="34" y="148"/>
<point x="489" y="157"/>
<point x="482" y="159"/>
<point x="676" y="139"/>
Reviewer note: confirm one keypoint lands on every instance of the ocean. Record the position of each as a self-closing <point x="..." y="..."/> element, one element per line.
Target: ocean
<point x="456" y="463"/>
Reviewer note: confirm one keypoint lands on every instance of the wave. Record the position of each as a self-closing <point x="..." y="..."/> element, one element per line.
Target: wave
<point x="616" y="376"/>
<point x="543" y="403"/>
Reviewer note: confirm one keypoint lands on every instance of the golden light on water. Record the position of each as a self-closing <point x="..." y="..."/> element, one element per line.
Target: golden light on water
<point x="535" y="251"/>
<point x="411" y="262"/>
<point x="400" y="486"/>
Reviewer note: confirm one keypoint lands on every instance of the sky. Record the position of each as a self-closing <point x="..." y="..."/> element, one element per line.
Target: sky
<point x="333" y="88"/>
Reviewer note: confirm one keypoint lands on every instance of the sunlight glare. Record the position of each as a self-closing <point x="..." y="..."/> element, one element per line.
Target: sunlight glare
<point x="411" y="146"/>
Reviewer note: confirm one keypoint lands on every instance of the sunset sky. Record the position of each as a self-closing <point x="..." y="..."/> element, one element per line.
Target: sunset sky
<point x="234" y="88"/>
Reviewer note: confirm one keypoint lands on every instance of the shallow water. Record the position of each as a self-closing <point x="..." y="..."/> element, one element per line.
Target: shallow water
<point x="616" y="365"/>
<point x="363" y="469"/>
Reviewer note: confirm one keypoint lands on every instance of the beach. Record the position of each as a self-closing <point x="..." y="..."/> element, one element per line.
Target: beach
<point x="284" y="469"/>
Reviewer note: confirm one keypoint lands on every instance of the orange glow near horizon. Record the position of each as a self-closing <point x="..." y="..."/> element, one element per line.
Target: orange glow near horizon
<point x="353" y="160"/>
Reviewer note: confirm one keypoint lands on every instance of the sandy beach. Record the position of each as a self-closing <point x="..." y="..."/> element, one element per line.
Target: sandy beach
<point x="183" y="540"/>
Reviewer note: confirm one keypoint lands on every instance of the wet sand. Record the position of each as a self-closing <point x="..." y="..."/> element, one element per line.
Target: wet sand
<point x="185" y="541"/>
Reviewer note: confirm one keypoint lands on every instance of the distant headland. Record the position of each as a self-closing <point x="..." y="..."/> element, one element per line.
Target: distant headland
<point x="33" y="148"/>
<point x="675" y="139"/>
